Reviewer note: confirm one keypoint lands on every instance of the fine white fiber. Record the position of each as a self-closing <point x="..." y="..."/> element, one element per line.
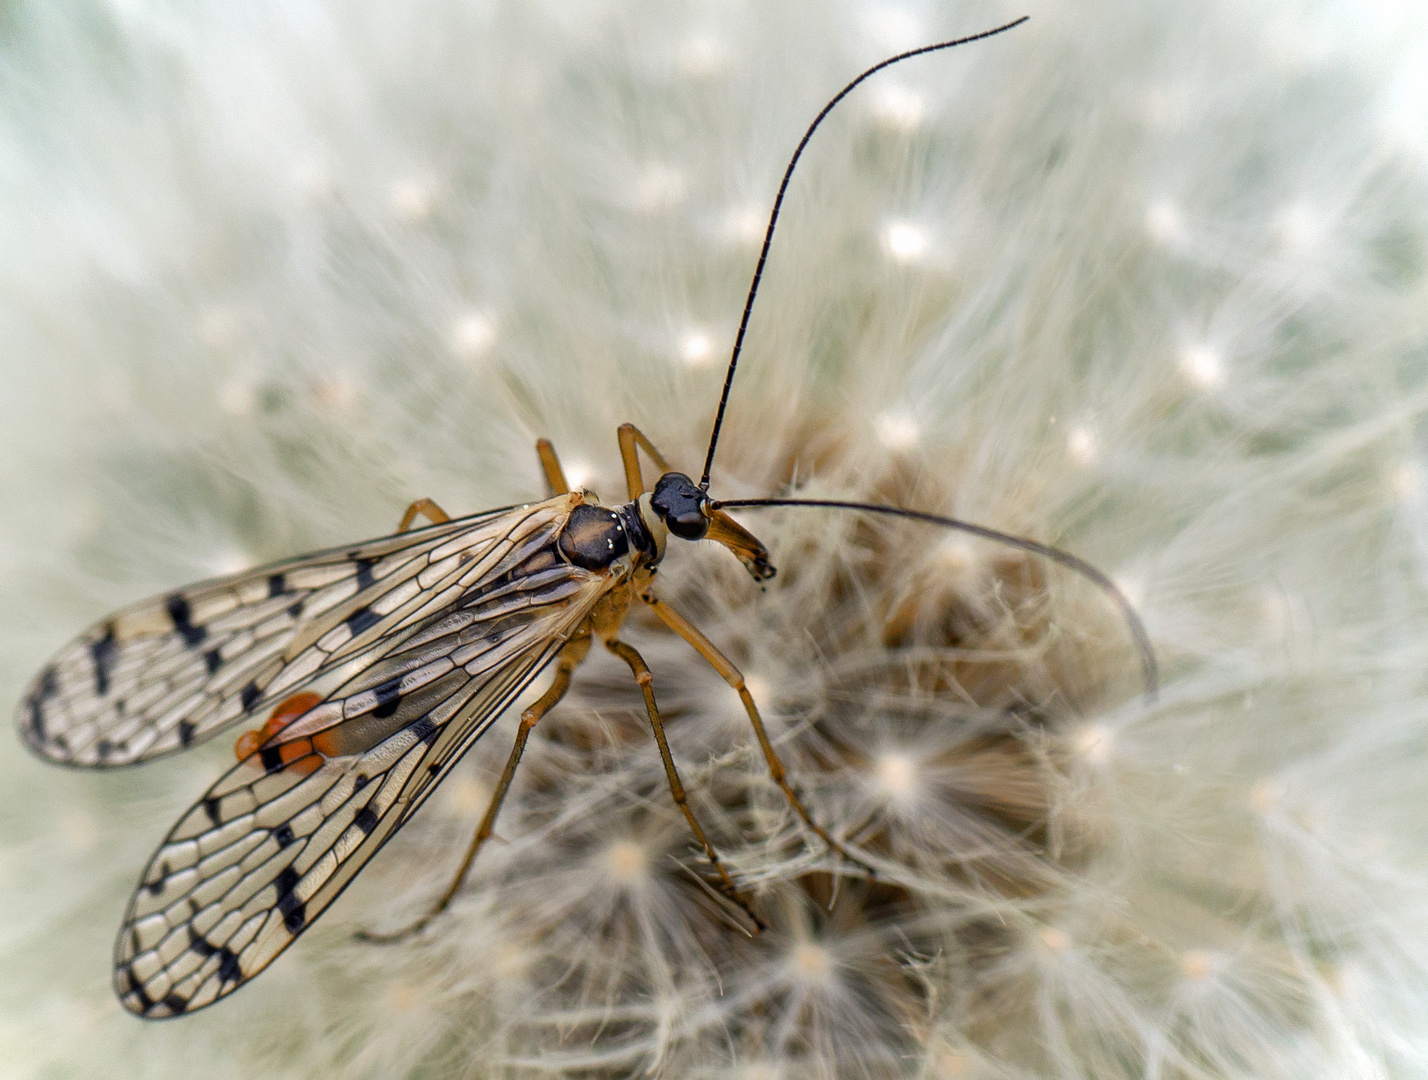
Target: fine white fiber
<point x="1145" y="281"/>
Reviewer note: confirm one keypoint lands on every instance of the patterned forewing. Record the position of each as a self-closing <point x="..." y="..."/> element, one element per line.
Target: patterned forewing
<point x="273" y="842"/>
<point x="170" y="672"/>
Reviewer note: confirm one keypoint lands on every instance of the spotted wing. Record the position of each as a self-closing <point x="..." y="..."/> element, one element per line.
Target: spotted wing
<point x="167" y="673"/>
<point x="270" y="845"/>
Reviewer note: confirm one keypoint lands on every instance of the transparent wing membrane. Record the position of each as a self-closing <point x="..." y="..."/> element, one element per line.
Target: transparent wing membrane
<point x="170" y="672"/>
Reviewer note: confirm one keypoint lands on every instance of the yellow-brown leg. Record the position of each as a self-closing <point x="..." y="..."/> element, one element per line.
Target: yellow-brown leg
<point x="550" y="464"/>
<point x="433" y="513"/>
<point x="642" y="676"/>
<point x="731" y="675"/>
<point x="569" y="657"/>
<point x="631" y="440"/>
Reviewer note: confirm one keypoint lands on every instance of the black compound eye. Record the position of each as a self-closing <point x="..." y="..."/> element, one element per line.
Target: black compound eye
<point x="679" y="504"/>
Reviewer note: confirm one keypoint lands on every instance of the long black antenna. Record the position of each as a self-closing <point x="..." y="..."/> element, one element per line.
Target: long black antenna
<point x="1150" y="670"/>
<point x="778" y="203"/>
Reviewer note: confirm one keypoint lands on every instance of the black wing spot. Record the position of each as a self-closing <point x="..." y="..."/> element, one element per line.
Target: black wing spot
<point x="103" y="748"/>
<point x="364" y="572"/>
<point x="425" y="729"/>
<point x="294" y="911"/>
<point x="210" y="807"/>
<point x="185" y="733"/>
<point x="366" y="819"/>
<point x="283" y="834"/>
<point x="179" y="614"/>
<point x="175" y="1004"/>
<point x="228" y="969"/>
<point x="388" y="698"/>
<point x="212" y="660"/>
<point x="360" y="782"/>
<point x="272" y="758"/>
<point x="137" y="989"/>
<point x="248" y="695"/>
<point x="295" y="609"/>
<point x="364" y="618"/>
<point x="102" y="653"/>
<point x="277" y="585"/>
<point x="48" y="684"/>
<point x="156" y="887"/>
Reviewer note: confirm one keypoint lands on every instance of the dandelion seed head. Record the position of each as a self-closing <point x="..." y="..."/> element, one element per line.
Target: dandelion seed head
<point x="1198" y="965"/>
<point x="313" y="178"/>
<point x="335" y="392"/>
<point x="1203" y="366"/>
<point x="1300" y="227"/>
<point x="472" y="335"/>
<point x="897" y="430"/>
<point x="702" y="56"/>
<point x="812" y="965"/>
<point x="1165" y="223"/>
<point x="895" y="29"/>
<point x="1265" y="796"/>
<point x="626" y="863"/>
<point x="465" y="796"/>
<point x="220" y="328"/>
<point x="1055" y="939"/>
<point x="897" y="777"/>
<point x="696" y="348"/>
<point x="1082" y="445"/>
<point x="230" y="258"/>
<point x="745" y="226"/>
<point x="905" y="241"/>
<point x="230" y="560"/>
<point x="578" y="473"/>
<point x="899" y="107"/>
<point x="1406" y="483"/>
<point x="1095" y="743"/>
<point x="759" y="688"/>
<point x="236" y="396"/>
<point x="401" y="996"/>
<point x="660" y="188"/>
<point x="413" y="200"/>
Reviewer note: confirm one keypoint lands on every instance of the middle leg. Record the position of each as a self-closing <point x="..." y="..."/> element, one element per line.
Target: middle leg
<point x="735" y="678"/>
<point x="643" y="676"/>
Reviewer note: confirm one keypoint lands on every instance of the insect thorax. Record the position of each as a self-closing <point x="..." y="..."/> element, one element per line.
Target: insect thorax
<point x="595" y="536"/>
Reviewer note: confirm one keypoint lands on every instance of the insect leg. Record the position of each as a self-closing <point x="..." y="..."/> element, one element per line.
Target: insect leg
<point x="435" y="514"/>
<point x="643" y="676"/>
<point x="550" y="465"/>
<point x="569" y="658"/>
<point x="731" y="675"/>
<point x="631" y="438"/>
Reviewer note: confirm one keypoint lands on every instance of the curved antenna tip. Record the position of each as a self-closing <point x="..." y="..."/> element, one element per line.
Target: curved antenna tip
<point x="778" y="204"/>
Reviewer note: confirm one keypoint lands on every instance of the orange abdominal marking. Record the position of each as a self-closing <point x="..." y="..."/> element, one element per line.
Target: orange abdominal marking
<point x="288" y="710"/>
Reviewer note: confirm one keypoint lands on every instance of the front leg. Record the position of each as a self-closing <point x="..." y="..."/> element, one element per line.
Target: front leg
<point x="555" y="481"/>
<point x="632" y="440"/>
